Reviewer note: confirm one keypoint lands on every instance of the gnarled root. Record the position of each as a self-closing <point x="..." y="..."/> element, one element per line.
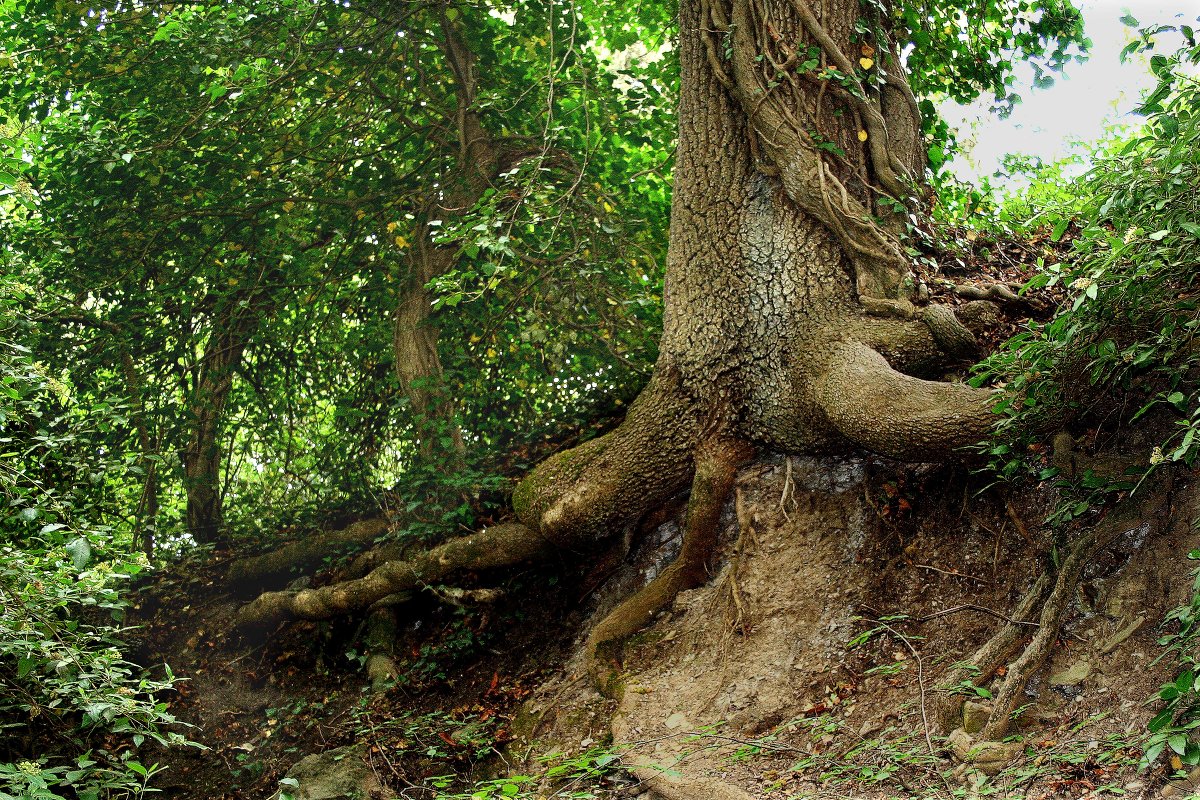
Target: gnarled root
<point x="898" y="415"/>
<point x="1062" y="588"/>
<point x="574" y="500"/>
<point x="994" y="653"/>
<point x="493" y="547"/>
<point x="275" y="567"/>
<point x="717" y="460"/>
<point x="995" y="292"/>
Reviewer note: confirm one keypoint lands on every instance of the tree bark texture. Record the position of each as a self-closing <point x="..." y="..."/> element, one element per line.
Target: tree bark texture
<point x="232" y="331"/>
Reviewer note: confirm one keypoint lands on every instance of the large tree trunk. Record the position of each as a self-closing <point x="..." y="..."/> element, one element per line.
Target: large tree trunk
<point x="788" y="323"/>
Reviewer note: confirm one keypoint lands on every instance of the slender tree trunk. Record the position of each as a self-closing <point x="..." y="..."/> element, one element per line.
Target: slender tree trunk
<point x="232" y="333"/>
<point x="415" y="335"/>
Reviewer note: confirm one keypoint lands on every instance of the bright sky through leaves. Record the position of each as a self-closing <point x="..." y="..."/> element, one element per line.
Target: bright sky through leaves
<point x="1092" y="96"/>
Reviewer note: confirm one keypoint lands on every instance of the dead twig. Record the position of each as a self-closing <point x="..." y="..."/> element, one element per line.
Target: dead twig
<point x="953" y="573"/>
<point x="974" y="607"/>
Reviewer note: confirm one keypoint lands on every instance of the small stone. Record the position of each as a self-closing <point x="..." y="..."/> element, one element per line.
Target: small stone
<point x="676" y="720"/>
<point x="987" y="757"/>
<point x="1120" y="636"/>
<point x="961" y="743"/>
<point x="338" y="774"/>
<point x="1075" y="674"/>
<point x="869" y="728"/>
<point x="975" y="716"/>
<point x="991" y="757"/>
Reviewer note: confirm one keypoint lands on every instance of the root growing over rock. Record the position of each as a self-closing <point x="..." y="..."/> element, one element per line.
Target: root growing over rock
<point x="717" y="459"/>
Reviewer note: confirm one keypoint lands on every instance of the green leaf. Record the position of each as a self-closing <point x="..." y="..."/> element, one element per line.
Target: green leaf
<point x="1060" y="228"/>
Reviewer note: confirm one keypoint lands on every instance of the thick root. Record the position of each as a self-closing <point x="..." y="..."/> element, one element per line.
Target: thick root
<point x="381" y="635"/>
<point x="895" y="414"/>
<point x="498" y="546"/>
<point x="581" y="497"/>
<point x="717" y="460"/>
<point x="575" y="500"/>
<point x="276" y="567"/>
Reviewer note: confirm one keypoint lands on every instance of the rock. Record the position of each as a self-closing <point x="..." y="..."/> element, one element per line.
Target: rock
<point x="1120" y="636"/>
<point x="1183" y="787"/>
<point x="961" y="743"/>
<point x="987" y="757"/>
<point x="339" y="774"/>
<point x="870" y="728"/>
<point x="1073" y="675"/>
<point x="975" y="716"/>
<point x="676" y="720"/>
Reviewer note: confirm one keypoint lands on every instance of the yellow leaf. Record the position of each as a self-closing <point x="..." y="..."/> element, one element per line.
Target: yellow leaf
<point x="866" y="63"/>
<point x="288" y="206"/>
<point x="862" y="136"/>
<point x="391" y="226"/>
<point x="491" y="352"/>
<point x="607" y="207"/>
<point x="401" y="242"/>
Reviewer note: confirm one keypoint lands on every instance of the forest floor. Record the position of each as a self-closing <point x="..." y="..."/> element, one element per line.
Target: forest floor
<point x="259" y="708"/>
<point x="784" y="693"/>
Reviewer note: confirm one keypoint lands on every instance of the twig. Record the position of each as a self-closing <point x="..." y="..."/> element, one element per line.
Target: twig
<point x="953" y="573"/>
<point x="1017" y="521"/>
<point x="920" y="681"/>
<point x="974" y="607"/>
<point x="788" y="489"/>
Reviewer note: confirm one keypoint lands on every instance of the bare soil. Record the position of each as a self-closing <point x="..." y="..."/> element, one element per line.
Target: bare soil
<point x="809" y="664"/>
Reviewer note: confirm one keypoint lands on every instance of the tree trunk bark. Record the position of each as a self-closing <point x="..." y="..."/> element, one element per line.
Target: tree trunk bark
<point x="415" y="334"/>
<point x="202" y="458"/>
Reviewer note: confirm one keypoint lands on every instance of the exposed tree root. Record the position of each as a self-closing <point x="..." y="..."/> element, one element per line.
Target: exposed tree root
<point x="1061" y="588"/>
<point x="898" y="415"/>
<point x="262" y="571"/>
<point x="493" y="547"/>
<point x="381" y="635"/>
<point x="996" y="293"/>
<point x="994" y="653"/>
<point x="574" y="501"/>
<point x="717" y="460"/>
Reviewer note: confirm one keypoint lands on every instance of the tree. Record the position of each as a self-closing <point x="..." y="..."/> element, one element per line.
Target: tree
<point x="792" y="320"/>
<point x="249" y="206"/>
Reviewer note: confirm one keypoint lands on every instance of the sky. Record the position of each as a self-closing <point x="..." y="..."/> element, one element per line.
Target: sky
<point x="1083" y="101"/>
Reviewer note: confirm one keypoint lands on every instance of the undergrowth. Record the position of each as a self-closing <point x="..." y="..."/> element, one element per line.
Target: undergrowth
<point x="1126" y="342"/>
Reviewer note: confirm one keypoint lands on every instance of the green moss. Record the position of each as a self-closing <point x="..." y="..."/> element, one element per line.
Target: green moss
<point x="552" y="475"/>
